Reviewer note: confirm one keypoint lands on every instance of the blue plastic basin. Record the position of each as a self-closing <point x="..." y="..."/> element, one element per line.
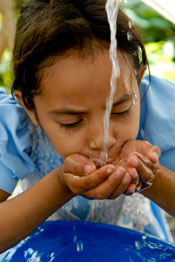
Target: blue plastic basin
<point x="64" y="241"/>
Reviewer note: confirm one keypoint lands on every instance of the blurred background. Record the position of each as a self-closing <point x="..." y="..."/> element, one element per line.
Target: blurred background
<point x="158" y="34"/>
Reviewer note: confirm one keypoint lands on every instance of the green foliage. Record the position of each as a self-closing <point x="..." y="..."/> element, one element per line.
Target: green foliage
<point x="158" y="35"/>
<point x="6" y="75"/>
<point x="160" y="57"/>
<point x="153" y="26"/>
<point x="157" y="32"/>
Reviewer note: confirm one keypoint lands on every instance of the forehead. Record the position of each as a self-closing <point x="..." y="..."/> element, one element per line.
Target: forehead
<point x="84" y="76"/>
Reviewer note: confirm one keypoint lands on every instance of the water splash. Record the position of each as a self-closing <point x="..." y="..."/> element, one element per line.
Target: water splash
<point x="95" y="243"/>
<point x="112" y="8"/>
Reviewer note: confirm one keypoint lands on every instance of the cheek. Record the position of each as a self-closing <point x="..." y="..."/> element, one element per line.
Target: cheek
<point x="127" y="127"/>
<point x="64" y="142"/>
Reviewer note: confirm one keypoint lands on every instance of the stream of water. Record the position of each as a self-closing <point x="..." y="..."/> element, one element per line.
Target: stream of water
<point x="112" y="8"/>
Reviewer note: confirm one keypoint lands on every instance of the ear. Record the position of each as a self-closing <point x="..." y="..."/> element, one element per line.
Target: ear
<point x="142" y="71"/>
<point x="31" y="113"/>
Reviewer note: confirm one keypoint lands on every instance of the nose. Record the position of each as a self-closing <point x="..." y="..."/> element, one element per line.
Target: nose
<point x="96" y="139"/>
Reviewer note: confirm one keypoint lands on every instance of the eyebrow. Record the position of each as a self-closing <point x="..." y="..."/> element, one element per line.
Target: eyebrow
<point x="67" y="111"/>
<point x="123" y="99"/>
<point x="71" y="111"/>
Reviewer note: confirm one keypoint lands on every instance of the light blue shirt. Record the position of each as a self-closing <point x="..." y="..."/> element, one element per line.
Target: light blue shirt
<point x="157" y="121"/>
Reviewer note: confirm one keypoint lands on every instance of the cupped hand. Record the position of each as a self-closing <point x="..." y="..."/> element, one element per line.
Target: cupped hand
<point x="147" y="169"/>
<point x="147" y="154"/>
<point x="82" y="177"/>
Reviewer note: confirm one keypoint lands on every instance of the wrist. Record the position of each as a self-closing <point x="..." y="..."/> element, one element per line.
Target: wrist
<point x="61" y="181"/>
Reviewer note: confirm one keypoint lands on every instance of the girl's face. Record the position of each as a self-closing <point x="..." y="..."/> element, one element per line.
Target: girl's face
<point x="72" y="104"/>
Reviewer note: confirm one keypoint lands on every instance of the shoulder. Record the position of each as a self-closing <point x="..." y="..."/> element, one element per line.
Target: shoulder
<point x="156" y="87"/>
<point x="157" y="118"/>
<point x="13" y="119"/>
<point x="15" y="141"/>
<point x="157" y="99"/>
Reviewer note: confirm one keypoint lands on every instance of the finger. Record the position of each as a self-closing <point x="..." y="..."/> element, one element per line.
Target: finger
<point x="78" y="165"/>
<point x="154" y="153"/>
<point x="105" y="189"/>
<point x="133" y="173"/>
<point x="151" y="151"/>
<point x="144" y="167"/>
<point x="148" y="150"/>
<point x="80" y="184"/>
<point x="130" y="190"/>
<point x="133" y="160"/>
<point x="122" y="187"/>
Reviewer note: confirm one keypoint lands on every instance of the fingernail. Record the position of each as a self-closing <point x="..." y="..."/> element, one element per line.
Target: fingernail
<point x="131" y="190"/>
<point x="133" y="173"/>
<point x="126" y="179"/>
<point x="88" y="169"/>
<point x="134" y="162"/>
<point x="109" y="170"/>
<point x="154" y="156"/>
<point x="119" y="172"/>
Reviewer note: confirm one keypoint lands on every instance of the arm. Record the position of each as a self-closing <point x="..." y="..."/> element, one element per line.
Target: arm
<point x="19" y="216"/>
<point x="162" y="192"/>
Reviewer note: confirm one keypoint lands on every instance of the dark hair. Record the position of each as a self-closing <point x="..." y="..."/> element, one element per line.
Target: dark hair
<point x="47" y="29"/>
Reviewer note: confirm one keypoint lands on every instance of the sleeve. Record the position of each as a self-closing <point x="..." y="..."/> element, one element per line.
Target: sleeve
<point x="157" y="118"/>
<point x="15" y="143"/>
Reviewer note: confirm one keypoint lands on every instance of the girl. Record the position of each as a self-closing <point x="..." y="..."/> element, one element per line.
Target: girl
<point x="62" y="80"/>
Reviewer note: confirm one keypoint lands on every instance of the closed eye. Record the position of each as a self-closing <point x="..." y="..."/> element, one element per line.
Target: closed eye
<point x="71" y="125"/>
<point x="123" y="113"/>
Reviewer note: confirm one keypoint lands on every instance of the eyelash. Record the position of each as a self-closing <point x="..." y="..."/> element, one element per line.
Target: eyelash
<point x="124" y="113"/>
<point x="73" y="125"/>
<point x="76" y="124"/>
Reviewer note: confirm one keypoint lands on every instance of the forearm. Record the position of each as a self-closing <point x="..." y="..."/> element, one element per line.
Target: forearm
<point x="19" y="216"/>
<point x="162" y="192"/>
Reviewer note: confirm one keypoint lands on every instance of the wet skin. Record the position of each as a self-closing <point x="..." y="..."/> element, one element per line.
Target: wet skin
<point x="71" y="110"/>
<point x="72" y="103"/>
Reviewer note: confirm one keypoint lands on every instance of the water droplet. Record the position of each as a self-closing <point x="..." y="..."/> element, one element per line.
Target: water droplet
<point x="136" y="71"/>
<point x="134" y="99"/>
<point x="52" y="257"/>
<point x="144" y="237"/>
<point x="74" y="238"/>
<point x="130" y="24"/>
<point x="137" y="245"/>
<point x="142" y="133"/>
<point x="79" y="246"/>
<point x="129" y="36"/>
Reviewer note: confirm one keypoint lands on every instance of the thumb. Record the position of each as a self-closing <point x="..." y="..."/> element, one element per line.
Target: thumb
<point x="148" y="150"/>
<point x="142" y="147"/>
<point x="78" y="165"/>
